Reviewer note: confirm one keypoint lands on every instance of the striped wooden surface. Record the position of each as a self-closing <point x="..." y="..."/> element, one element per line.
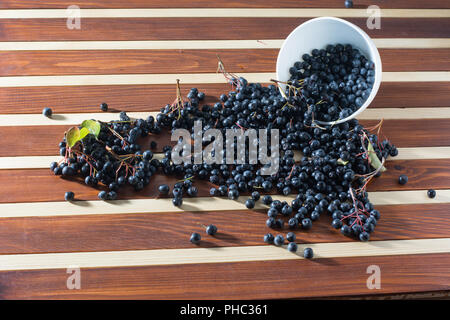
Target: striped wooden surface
<point x="138" y="246"/>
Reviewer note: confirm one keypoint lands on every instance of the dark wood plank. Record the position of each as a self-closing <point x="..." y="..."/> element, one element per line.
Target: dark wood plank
<point x="29" y="185"/>
<point x="201" y="29"/>
<point x="238" y="280"/>
<point x="172" y="230"/>
<point x="66" y="99"/>
<point x="412" y="94"/>
<point x="415" y="133"/>
<point x="422" y="174"/>
<point x="415" y="59"/>
<point x="43" y="140"/>
<point x="29" y="63"/>
<point x="134" y="61"/>
<point x="401" y="4"/>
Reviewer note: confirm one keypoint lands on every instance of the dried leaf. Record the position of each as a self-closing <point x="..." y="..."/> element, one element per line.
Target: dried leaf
<point x="373" y="159"/>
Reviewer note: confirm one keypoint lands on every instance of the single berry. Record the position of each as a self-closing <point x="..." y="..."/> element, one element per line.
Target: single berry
<point x="255" y="195"/>
<point x="290" y="237"/>
<point x="102" y="195"/>
<point x="431" y="193"/>
<point x="393" y="152"/>
<point x="192" y="191"/>
<point x="346" y="230"/>
<point x="233" y="194"/>
<point x="53" y="166"/>
<point x="211" y="229"/>
<point x="293" y="223"/>
<point x="364" y="236"/>
<point x="292" y="247"/>
<point x="250" y="203"/>
<point x="308" y="253"/>
<point x="195" y="238"/>
<point x="163" y="189"/>
<point x="402" y="179"/>
<point x="47" y="112"/>
<point x="201" y="96"/>
<point x="147" y="155"/>
<point x="270" y="222"/>
<point x="336" y="223"/>
<point x="267" y="200"/>
<point x="268" y="238"/>
<point x="279" y="240"/>
<point x="306" y="223"/>
<point x="279" y="223"/>
<point x="177" y="201"/>
<point x="104" y="107"/>
<point x="112" y="195"/>
<point x="69" y="196"/>
<point x="214" y="192"/>
<point x="348" y="3"/>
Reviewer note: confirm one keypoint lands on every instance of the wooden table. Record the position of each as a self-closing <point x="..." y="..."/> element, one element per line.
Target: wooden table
<point x="138" y="246"/>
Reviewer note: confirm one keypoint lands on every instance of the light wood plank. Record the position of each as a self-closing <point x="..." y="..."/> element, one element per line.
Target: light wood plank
<point x="127" y="79"/>
<point x="123" y="79"/>
<point x="404" y="113"/>
<point x="198" y="204"/>
<point x="77" y="118"/>
<point x="218" y="13"/>
<point x="414" y="43"/>
<point x="218" y="254"/>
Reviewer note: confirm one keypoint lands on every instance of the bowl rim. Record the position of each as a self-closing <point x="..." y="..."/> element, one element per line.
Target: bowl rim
<point x="372" y="47"/>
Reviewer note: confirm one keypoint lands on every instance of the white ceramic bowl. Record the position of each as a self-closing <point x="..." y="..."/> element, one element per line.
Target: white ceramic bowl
<point x="317" y="34"/>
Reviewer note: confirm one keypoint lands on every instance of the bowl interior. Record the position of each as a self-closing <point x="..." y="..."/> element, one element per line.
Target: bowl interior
<point x="318" y="33"/>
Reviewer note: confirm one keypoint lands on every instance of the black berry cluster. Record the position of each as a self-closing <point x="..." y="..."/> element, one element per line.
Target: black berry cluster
<point x="329" y="178"/>
<point x="333" y="82"/>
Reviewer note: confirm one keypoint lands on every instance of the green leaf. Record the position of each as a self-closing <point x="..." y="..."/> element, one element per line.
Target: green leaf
<point x="72" y="136"/>
<point x="373" y="159"/>
<point x="93" y="126"/>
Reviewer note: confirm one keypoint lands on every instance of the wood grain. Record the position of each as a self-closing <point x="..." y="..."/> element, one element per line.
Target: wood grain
<point x="43" y="140"/>
<point x="172" y="230"/>
<point x="29" y="63"/>
<point x="204" y="28"/>
<point x="152" y="97"/>
<point x="381" y="43"/>
<point x="239" y="280"/>
<point x="406" y="4"/>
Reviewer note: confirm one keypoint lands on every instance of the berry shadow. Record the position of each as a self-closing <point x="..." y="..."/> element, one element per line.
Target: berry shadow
<point x="58" y="117"/>
<point x="227" y="237"/>
<point x="112" y="110"/>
